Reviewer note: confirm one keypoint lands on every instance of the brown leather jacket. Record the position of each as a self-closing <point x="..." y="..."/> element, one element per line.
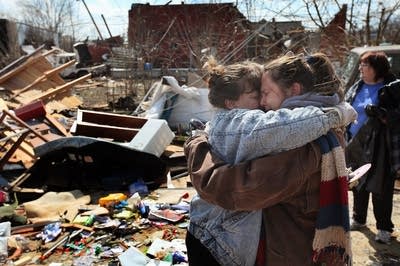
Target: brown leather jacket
<point x="285" y="186"/>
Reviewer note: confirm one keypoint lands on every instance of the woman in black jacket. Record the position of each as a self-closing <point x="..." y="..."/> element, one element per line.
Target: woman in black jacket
<point x="374" y="139"/>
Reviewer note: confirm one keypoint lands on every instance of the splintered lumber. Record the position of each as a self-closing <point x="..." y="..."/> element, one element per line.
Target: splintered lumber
<point x="58" y="125"/>
<point x="19" y="180"/>
<point x="24" y="66"/>
<point x="67" y="102"/>
<point x="16" y="134"/>
<point x="13" y="148"/>
<point x="29" y="227"/>
<point x="3" y="105"/>
<point x="36" y="110"/>
<point x="22" y="123"/>
<point x="24" y="78"/>
<point x="50" y="93"/>
<point x="20" y="60"/>
<point x="24" y="146"/>
<point x="17" y="70"/>
<point x="45" y="75"/>
<point x="36" y="79"/>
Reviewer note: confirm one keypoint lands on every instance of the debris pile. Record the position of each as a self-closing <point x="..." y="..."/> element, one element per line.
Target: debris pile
<point x="132" y="228"/>
<point x="87" y="187"/>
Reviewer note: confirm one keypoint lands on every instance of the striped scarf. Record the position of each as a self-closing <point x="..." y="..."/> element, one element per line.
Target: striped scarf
<point x="331" y="243"/>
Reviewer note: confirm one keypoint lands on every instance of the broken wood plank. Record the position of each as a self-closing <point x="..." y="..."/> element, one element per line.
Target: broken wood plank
<point x="29" y="227"/>
<point x="20" y="68"/>
<point x="19" y="180"/>
<point x="28" y="75"/>
<point x="3" y="105"/>
<point x="173" y="151"/>
<point x="34" y="142"/>
<point x="41" y="128"/>
<point x="45" y="75"/>
<point x="58" y="125"/>
<point x="21" y="157"/>
<point x="66" y="103"/>
<point x="13" y="148"/>
<point x="20" y="60"/>
<point x="25" y="146"/>
<point x="50" y="93"/>
<point x="28" y="190"/>
<point x="78" y="226"/>
<point x="22" y="123"/>
<point x="13" y="135"/>
<point x="24" y="153"/>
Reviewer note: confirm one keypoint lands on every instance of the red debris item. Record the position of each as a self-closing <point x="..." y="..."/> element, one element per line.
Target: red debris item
<point x="167" y="214"/>
<point x="184" y="196"/>
<point x="4" y="196"/>
<point x="30" y="111"/>
<point x="169" y="234"/>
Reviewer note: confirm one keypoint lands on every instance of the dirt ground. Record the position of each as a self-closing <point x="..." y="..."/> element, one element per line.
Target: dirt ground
<point x="366" y="251"/>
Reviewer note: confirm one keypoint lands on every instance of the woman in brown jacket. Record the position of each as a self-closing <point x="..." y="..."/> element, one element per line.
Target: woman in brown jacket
<point x="285" y="186"/>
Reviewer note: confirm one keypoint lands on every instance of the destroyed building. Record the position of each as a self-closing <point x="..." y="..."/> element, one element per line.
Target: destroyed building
<point x="179" y="35"/>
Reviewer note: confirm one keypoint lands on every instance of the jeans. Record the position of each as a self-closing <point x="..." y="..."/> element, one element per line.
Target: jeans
<point x="198" y="254"/>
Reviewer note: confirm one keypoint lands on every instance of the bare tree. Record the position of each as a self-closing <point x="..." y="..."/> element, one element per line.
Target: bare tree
<point x="367" y="19"/>
<point x="386" y="15"/>
<point x="367" y="24"/>
<point x="318" y="20"/>
<point x="393" y="30"/>
<point x="48" y="18"/>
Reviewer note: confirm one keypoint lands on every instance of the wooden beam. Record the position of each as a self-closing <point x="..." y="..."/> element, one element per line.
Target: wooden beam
<point x="19" y="180"/>
<point x="43" y="77"/>
<point x="59" y="89"/>
<point x="20" y="68"/>
<point x="49" y="52"/>
<point x="13" y="148"/>
<point x="25" y="146"/>
<point x="20" y="60"/>
<point x="22" y="123"/>
<point x="58" y="125"/>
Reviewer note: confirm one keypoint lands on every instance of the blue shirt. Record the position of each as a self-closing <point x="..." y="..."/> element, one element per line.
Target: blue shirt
<point x="368" y="94"/>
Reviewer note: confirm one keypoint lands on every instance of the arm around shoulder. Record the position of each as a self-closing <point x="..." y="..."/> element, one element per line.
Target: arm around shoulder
<point x="250" y="185"/>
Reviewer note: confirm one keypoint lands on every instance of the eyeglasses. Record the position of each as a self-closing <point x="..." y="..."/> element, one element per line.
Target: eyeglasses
<point x="364" y="65"/>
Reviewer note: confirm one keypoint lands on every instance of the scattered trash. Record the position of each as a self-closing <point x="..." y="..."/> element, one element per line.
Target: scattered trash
<point x="112" y="199"/>
<point x="50" y="232"/>
<point x="133" y="257"/>
<point x="166" y="214"/>
<point x="5" y="232"/>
